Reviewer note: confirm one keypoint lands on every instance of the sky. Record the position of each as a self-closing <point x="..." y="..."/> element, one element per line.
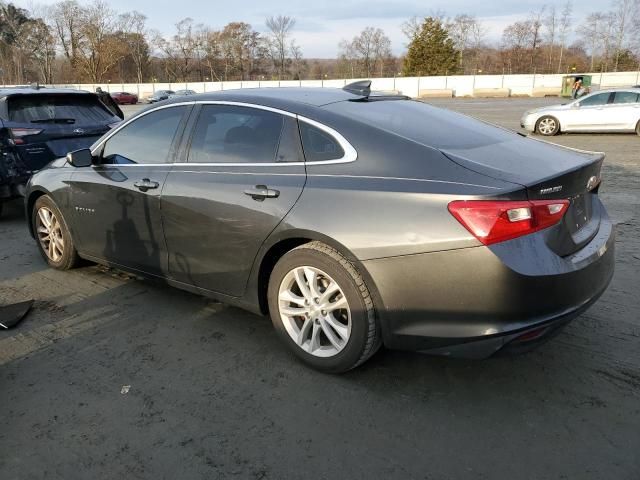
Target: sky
<point x="321" y="25"/>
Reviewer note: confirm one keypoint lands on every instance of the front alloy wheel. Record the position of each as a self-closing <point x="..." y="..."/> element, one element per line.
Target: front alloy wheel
<point x="548" y="126"/>
<point x="50" y="234"/>
<point x="53" y="235"/>
<point x="314" y="311"/>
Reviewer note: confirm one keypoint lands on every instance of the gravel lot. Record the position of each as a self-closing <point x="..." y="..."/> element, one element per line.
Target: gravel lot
<point x="213" y="394"/>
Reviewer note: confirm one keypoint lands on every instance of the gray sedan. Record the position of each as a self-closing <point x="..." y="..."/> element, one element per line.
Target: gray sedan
<point x="353" y="220"/>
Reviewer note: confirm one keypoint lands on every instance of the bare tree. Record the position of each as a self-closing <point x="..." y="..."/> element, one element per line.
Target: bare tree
<point x="590" y="32"/>
<point x="370" y="49"/>
<point x="625" y="14"/>
<point x="535" y="22"/>
<point x="516" y="40"/>
<point x="412" y="27"/>
<point x="135" y="25"/>
<point x="99" y="48"/>
<point x="551" y="27"/>
<point x="185" y="44"/>
<point x="279" y="31"/>
<point x="67" y="16"/>
<point x="563" y="30"/>
<point x="467" y="33"/>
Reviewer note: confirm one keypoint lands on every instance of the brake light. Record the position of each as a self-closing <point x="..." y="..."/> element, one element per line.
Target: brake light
<point x="493" y="221"/>
<point x="18" y="133"/>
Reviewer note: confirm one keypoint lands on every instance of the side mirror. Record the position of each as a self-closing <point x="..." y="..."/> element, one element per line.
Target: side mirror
<point x="80" y="158"/>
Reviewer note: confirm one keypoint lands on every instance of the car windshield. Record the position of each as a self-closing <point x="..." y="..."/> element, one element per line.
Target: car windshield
<point x="52" y="108"/>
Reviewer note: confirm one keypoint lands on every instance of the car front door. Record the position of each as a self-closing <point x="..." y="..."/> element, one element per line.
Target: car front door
<point x="117" y="200"/>
<point x="592" y="113"/>
<point x="242" y="171"/>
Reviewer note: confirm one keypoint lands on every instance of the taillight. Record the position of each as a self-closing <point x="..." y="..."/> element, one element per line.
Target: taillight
<point x="493" y="221"/>
<point x="18" y="133"/>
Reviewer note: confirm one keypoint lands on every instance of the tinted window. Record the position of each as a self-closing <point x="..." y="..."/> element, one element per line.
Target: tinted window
<point x="319" y="145"/>
<point x="231" y="134"/>
<point x="65" y="109"/>
<point x="599" y="99"/>
<point x="147" y="139"/>
<point x="423" y="123"/>
<point x="626" y="97"/>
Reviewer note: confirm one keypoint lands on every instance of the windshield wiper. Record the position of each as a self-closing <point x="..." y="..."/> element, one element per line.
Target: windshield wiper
<point x="54" y="120"/>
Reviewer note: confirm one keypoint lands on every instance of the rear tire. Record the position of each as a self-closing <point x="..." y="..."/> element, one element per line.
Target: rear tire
<point x="548" y="126"/>
<point x="329" y="322"/>
<point x="52" y="234"/>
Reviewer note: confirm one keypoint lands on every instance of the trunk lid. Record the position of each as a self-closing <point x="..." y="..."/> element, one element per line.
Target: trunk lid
<point x="546" y="172"/>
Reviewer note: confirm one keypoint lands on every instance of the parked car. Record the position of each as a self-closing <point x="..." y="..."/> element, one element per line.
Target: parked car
<point x="123" y="98"/>
<point x="40" y="125"/>
<point x="182" y="93"/>
<point x="602" y="111"/>
<point x="354" y="220"/>
<point x="159" y="95"/>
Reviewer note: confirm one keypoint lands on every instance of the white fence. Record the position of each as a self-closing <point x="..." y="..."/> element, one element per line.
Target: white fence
<point x="460" y="85"/>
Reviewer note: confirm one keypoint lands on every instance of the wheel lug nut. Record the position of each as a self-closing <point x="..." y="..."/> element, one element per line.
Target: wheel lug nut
<point x="324" y="312"/>
<point x="317" y="300"/>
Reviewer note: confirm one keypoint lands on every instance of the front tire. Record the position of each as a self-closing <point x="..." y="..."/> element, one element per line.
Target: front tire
<point x="322" y="309"/>
<point x="638" y="128"/>
<point x="548" y="126"/>
<point x="53" y="236"/>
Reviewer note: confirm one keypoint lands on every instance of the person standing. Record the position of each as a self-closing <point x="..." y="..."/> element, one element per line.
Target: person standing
<point x="575" y="90"/>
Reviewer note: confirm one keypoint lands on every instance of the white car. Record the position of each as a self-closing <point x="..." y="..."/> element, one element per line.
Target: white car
<point x="602" y="111"/>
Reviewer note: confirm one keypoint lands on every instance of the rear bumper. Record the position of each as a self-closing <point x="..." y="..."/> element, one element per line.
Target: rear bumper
<point x="472" y="302"/>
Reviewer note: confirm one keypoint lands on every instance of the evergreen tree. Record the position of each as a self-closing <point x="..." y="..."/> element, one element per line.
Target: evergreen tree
<point x="431" y="51"/>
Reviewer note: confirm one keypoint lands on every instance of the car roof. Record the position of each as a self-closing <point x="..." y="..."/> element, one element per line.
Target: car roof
<point x="7" y="92"/>
<point x="612" y="90"/>
<point x="293" y="99"/>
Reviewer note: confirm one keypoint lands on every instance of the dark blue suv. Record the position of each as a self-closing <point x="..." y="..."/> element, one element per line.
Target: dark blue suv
<point x="38" y="125"/>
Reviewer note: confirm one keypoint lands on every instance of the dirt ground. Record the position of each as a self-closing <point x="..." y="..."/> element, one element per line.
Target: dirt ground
<point x="111" y="377"/>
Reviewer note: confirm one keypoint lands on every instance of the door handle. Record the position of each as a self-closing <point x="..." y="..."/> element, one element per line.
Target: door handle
<point x="145" y="184"/>
<point x="260" y="192"/>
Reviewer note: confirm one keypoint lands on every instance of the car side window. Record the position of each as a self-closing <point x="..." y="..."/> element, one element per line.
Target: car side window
<point x="626" y="97"/>
<point x="235" y="134"/>
<point x="318" y="145"/>
<point x="594" y="100"/>
<point x="146" y="140"/>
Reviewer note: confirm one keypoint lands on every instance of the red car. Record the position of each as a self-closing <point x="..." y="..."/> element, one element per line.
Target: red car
<point x="122" y="98"/>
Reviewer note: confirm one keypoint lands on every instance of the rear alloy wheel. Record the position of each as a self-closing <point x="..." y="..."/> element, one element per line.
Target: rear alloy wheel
<point x="322" y="309"/>
<point x="548" y="126"/>
<point x="52" y="233"/>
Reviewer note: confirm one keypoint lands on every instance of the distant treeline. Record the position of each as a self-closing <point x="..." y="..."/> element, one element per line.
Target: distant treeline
<point x="71" y="43"/>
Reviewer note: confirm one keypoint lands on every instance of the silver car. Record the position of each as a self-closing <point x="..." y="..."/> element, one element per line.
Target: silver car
<point x="182" y="93"/>
<point x="603" y="111"/>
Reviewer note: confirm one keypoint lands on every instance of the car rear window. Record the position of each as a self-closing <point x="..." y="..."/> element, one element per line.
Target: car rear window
<point x="73" y="109"/>
<point x="423" y="123"/>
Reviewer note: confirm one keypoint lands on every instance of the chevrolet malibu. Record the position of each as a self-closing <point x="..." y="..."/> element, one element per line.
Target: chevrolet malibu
<point x="354" y="220"/>
<point x="603" y="111"/>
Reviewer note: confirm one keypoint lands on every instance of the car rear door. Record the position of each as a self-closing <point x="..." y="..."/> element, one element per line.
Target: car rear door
<point x="626" y="110"/>
<point x="239" y="174"/>
<point x="117" y="200"/>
